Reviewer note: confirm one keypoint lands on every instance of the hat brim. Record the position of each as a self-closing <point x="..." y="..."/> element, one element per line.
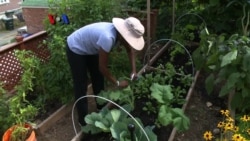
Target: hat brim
<point x="135" y="42"/>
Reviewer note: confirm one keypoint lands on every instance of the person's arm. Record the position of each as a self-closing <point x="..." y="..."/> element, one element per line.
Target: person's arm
<point x="103" y="67"/>
<point x="132" y="58"/>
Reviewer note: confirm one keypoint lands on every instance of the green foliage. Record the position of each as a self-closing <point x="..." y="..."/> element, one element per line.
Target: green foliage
<point x="163" y="7"/>
<point x="56" y="69"/>
<point x="16" y="109"/>
<point x="119" y="64"/>
<point x="19" y="133"/>
<point x="166" y="113"/>
<point x="116" y="122"/>
<point x="82" y="12"/>
<point x="142" y="4"/>
<point x="159" y="97"/>
<point x="224" y="53"/>
<point x="53" y="72"/>
<point x="162" y="75"/>
<point x="227" y="60"/>
<point x="21" y="110"/>
<point x="141" y="87"/>
<point x="187" y="33"/>
<point x="163" y="94"/>
<point x="123" y="96"/>
<point x="5" y="121"/>
<point x="225" y="16"/>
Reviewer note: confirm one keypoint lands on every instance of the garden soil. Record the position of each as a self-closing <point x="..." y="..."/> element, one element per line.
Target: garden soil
<point x="202" y="109"/>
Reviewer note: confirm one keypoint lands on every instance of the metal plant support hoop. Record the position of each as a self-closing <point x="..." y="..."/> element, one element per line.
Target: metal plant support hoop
<point x="103" y="98"/>
<point x="190" y="14"/>
<point x="147" y="56"/>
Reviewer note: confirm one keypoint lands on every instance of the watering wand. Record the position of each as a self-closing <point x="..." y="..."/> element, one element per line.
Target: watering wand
<point x="131" y="128"/>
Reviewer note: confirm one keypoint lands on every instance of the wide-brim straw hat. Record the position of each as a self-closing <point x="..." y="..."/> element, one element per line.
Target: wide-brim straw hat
<point x="131" y="30"/>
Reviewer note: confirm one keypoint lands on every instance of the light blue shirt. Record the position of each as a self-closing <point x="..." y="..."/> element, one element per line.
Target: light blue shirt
<point x="90" y="38"/>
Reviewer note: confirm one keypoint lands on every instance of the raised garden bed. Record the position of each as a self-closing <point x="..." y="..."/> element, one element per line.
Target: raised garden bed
<point x="159" y="56"/>
<point x="66" y="109"/>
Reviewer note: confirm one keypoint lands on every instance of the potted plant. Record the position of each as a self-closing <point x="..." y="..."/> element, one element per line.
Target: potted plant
<point x="19" y="37"/>
<point x="21" y="110"/>
<point x="20" y="132"/>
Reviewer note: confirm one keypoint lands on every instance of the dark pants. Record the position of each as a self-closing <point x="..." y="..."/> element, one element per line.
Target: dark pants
<point x="80" y="65"/>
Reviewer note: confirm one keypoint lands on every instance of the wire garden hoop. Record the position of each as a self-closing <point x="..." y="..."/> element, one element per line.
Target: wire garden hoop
<point x="161" y="49"/>
<point x="103" y="98"/>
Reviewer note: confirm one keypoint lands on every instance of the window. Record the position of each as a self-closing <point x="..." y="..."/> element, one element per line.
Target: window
<point x="4" y="1"/>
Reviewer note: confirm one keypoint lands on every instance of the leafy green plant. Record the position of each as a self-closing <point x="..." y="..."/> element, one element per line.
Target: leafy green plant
<point x="233" y="67"/>
<point x="121" y="97"/>
<point x="227" y="59"/>
<point x="166" y="113"/>
<point x="142" y="85"/>
<point x="4" y="111"/>
<point x="187" y="33"/>
<point x="29" y="63"/>
<point x="20" y="133"/>
<point x="21" y="110"/>
<point x="116" y="122"/>
<point x="162" y="75"/>
<point x="53" y="72"/>
<point x="159" y="98"/>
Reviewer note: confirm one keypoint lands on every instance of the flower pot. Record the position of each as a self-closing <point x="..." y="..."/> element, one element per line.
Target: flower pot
<point x="19" y="38"/>
<point x="31" y="137"/>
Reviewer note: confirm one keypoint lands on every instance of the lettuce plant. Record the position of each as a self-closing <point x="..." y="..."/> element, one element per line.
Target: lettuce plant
<point x="116" y="123"/>
<point x="167" y="114"/>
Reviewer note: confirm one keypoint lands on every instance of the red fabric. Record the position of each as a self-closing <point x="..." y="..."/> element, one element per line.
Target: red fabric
<point x="51" y="19"/>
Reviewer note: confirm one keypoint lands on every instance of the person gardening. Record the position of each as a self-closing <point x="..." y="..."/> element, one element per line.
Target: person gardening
<point x="88" y="49"/>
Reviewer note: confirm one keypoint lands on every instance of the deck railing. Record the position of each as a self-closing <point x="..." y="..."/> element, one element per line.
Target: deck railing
<point x="10" y="68"/>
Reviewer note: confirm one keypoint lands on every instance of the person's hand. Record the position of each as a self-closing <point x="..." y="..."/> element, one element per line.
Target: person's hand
<point x="133" y="76"/>
<point x="122" y="84"/>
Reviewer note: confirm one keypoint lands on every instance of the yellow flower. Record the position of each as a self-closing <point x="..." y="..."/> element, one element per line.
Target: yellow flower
<point x="245" y="118"/>
<point x="236" y="129"/>
<point x="208" y="136"/>
<point x="238" y="137"/>
<point x="230" y="119"/>
<point x="220" y="124"/>
<point x="225" y="112"/>
<point x="229" y="126"/>
<point x="248" y="131"/>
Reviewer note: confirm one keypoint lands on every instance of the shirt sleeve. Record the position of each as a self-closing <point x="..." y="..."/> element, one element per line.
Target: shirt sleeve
<point x="106" y="43"/>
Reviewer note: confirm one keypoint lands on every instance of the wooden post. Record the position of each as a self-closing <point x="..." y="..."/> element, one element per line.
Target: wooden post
<point x="148" y="24"/>
<point x="173" y="17"/>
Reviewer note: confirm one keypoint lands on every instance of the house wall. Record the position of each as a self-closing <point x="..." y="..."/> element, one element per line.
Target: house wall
<point x="13" y="4"/>
<point x="34" y="18"/>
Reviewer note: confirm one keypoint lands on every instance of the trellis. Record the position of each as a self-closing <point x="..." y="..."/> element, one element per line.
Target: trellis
<point x="10" y="67"/>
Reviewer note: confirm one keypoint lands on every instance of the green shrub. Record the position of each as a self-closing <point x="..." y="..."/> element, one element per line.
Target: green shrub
<point x="54" y="77"/>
